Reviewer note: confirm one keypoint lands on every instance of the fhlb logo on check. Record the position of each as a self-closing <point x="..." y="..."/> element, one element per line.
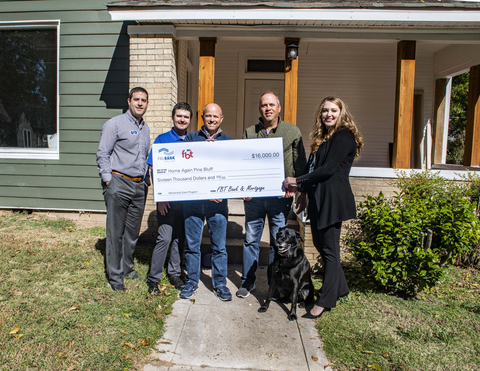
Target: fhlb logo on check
<point x="166" y="155"/>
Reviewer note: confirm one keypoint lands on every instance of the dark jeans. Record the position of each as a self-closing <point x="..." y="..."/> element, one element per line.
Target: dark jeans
<point x="171" y="234"/>
<point x="327" y="242"/>
<point x="125" y="201"/>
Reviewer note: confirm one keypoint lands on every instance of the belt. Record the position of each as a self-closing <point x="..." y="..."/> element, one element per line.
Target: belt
<point x="137" y="179"/>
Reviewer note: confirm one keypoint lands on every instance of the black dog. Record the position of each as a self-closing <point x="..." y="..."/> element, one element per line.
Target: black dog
<point x="291" y="272"/>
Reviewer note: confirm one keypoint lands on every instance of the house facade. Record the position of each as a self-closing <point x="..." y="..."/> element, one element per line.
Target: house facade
<point x="64" y="72"/>
<point x="391" y="61"/>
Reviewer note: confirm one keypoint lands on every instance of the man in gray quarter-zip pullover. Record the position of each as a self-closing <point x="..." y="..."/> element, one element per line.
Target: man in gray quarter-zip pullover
<point x="121" y="158"/>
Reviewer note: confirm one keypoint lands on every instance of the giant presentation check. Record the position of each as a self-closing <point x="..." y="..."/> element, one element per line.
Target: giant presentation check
<point x="218" y="169"/>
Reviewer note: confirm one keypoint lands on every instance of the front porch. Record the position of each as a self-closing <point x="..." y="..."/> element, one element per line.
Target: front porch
<point x="395" y="75"/>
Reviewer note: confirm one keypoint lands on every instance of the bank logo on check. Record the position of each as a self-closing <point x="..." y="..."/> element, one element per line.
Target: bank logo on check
<point x="166" y="155"/>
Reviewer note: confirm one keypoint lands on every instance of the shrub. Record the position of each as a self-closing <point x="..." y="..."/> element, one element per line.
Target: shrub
<point x="455" y="228"/>
<point x="454" y="201"/>
<point x="390" y="245"/>
<point x="403" y="243"/>
<point x="471" y="257"/>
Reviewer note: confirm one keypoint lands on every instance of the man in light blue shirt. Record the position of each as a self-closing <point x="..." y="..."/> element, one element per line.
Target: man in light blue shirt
<point x="171" y="230"/>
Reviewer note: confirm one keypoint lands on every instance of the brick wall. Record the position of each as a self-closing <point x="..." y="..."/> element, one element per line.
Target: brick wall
<point x="361" y="186"/>
<point x="153" y="65"/>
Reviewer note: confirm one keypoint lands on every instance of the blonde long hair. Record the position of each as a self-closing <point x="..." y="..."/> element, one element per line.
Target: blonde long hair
<point x="321" y="134"/>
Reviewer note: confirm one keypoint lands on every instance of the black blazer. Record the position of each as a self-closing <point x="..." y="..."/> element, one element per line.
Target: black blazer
<point x="330" y="195"/>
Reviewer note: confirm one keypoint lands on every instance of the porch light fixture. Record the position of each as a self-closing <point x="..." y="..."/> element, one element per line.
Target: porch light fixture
<point x="292" y="51"/>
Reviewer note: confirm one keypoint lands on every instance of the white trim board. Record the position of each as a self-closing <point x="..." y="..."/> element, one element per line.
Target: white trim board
<point x="21" y="153"/>
<point x="299" y="14"/>
<point x="77" y="211"/>
<point x="377" y="172"/>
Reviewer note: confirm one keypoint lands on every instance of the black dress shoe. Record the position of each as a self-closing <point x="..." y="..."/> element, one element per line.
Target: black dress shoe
<point x="153" y="288"/>
<point x="117" y="287"/>
<point x="177" y="282"/>
<point x="132" y="277"/>
<point x="311" y="316"/>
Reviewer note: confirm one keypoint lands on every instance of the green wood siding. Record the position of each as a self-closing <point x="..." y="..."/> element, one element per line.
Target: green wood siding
<point x="46" y="170"/>
<point x="93" y="87"/>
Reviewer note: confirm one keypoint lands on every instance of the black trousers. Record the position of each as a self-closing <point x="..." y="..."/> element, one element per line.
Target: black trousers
<point x="327" y="242"/>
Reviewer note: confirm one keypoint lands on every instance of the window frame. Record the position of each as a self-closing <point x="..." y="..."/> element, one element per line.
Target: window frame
<point x="37" y="153"/>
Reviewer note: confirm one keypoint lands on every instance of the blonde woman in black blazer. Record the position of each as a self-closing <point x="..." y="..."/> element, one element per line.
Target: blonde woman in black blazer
<point x="336" y="142"/>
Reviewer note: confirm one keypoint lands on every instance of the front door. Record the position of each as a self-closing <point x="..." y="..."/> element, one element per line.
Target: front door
<point x="253" y="90"/>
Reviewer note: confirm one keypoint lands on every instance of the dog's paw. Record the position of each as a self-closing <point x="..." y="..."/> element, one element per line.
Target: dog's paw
<point x="262" y="309"/>
<point x="292" y="317"/>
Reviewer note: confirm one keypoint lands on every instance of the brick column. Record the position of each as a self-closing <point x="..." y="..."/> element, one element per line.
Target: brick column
<point x="153" y="66"/>
<point x="361" y="186"/>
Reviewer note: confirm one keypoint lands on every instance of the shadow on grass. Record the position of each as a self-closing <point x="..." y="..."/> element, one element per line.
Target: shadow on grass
<point x="356" y="279"/>
<point x="100" y="247"/>
<point x="471" y="307"/>
<point x="142" y="254"/>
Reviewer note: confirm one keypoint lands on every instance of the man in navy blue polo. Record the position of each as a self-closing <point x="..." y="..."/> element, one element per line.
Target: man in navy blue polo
<point x="171" y="231"/>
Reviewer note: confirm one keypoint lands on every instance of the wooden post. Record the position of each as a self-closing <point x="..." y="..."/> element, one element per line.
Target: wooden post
<point x="206" y="75"/>
<point x="291" y="85"/>
<point x="471" y="155"/>
<point x="402" y="139"/>
<point x="439" y="124"/>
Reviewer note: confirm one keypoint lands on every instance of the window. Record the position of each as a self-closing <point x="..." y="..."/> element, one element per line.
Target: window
<point x="27" y="138"/>
<point x="29" y="90"/>
<point x="266" y="65"/>
<point x="458" y="119"/>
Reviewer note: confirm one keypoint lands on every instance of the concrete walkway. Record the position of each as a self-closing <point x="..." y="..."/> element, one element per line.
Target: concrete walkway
<point x="211" y="335"/>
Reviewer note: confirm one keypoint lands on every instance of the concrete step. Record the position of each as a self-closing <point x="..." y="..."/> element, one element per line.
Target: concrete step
<point x="235" y="207"/>
<point x="236" y="228"/>
<point x="235" y="243"/>
<point x="235" y="250"/>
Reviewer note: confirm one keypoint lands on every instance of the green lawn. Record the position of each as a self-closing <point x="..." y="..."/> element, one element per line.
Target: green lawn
<point x="437" y="330"/>
<point x="56" y="310"/>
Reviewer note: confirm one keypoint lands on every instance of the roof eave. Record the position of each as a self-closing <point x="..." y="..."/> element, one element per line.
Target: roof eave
<point x="334" y="14"/>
